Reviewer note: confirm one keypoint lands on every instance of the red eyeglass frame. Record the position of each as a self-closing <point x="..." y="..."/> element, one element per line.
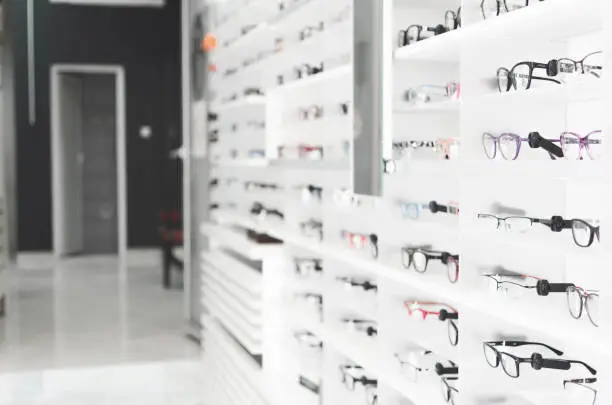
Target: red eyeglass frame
<point x="424" y="312"/>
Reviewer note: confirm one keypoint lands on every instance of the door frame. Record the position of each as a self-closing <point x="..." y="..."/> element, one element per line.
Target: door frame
<point x="121" y="154"/>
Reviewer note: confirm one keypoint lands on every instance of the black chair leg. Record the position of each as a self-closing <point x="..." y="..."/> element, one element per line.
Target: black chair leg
<point x="166" y="265"/>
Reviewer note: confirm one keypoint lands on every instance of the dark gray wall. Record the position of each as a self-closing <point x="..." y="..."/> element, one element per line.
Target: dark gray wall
<point x="146" y="41"/>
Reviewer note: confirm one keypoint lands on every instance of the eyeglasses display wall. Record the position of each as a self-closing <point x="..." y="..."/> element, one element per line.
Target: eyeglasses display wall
<point x="480" y="276"/>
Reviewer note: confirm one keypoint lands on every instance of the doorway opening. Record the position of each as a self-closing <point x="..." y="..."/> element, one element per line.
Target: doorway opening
<point x="88" y="160"/>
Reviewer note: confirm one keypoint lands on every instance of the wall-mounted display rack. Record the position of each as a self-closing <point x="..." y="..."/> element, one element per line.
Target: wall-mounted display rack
<point x="479" y="276"/>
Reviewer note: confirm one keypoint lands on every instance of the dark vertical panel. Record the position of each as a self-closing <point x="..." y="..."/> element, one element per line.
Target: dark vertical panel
<point x="146" y="41"/>
<point x="100" y="233"/>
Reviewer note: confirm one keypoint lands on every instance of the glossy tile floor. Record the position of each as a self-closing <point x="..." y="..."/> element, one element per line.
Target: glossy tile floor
<point x="78" y="332"/>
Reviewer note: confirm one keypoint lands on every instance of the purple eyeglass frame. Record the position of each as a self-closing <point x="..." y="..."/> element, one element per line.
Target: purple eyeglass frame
<point x="516" y="138"/>
<point x="583" y="142"/>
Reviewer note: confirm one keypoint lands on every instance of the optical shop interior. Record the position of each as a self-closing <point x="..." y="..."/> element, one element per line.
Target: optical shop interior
<point x="305" y="202"/>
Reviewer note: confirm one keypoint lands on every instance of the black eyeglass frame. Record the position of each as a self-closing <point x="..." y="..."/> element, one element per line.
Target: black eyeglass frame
<point x="551" y="70"/>
<point x="350" y="381"/>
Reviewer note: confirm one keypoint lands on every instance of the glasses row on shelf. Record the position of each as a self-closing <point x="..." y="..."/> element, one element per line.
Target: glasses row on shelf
<point x="452" y="20"/>
<point x="507" y="145"/>
<point x="507" y="283"/>
<point x="293" y="34"/>
<point x="418" y="366"/>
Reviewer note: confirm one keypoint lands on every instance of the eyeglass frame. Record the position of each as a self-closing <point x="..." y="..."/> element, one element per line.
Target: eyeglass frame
<point x="556" y="224"/>
<point x="364" y="285"/>
<point x="453" y="329"/>
<point x="417" y="369"/>
<point x="499" y="4"/>
<point x="373" y="239"/>
<point x="424" y="312"/>
<point x="584" y="295"/>
<point x="580" y="63"/>
<point x="518" y="141"/>
<point x="582" y="382"/>
<point x="448" y="398"/>
<point x="312" y="225"/>
<point x="370" y="328"/>
<point x="551" y="70"/>
<point x="404" y="37"/>
<point x="582" y="141"/>
<point x="452" y="89"/>
<point x="313" y="111"/>
<point x="316" y="265"/>
<point x="445" y="257"/>
<point x="536" y="360"/>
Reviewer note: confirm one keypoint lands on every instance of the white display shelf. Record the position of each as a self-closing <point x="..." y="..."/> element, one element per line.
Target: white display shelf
<point x="545" y="30"/>
<point x="552" y="169"/>
<point x="309" y="81"/>
<point x="250" y="340"/>
<point x="440" y="48"/>
<point x="215" y="289"/>
<point x="441" y="106"/>
<point x="237" y="276"/>
<point x="240" y="366"/>
<point x="242" y="102"/>
<point x="240" y="163"/>
<point x="370" y="361"/>
<point x="238" y="241"/>
<point x="542" y="17"/>
<point x="588" y="90"/>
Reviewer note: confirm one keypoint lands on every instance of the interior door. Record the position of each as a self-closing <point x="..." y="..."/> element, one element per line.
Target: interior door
<point x="100" y="216"/>
<point x="68" y="162"/>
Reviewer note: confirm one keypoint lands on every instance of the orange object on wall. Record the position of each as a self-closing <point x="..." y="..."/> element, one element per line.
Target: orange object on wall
<point x="209" y="42"/>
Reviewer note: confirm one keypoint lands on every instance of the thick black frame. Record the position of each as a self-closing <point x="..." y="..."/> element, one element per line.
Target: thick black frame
<point x="551" y="70"/>
<point x="404" y="38"/>
<point x="536" y="360"/>
<point x="429" y="255"/>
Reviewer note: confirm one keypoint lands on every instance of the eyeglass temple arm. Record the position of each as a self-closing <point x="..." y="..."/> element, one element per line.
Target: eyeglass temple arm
<point x="514" y="343"/>
<point x="581" y="381"/>
<point x="591" y="369"/>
